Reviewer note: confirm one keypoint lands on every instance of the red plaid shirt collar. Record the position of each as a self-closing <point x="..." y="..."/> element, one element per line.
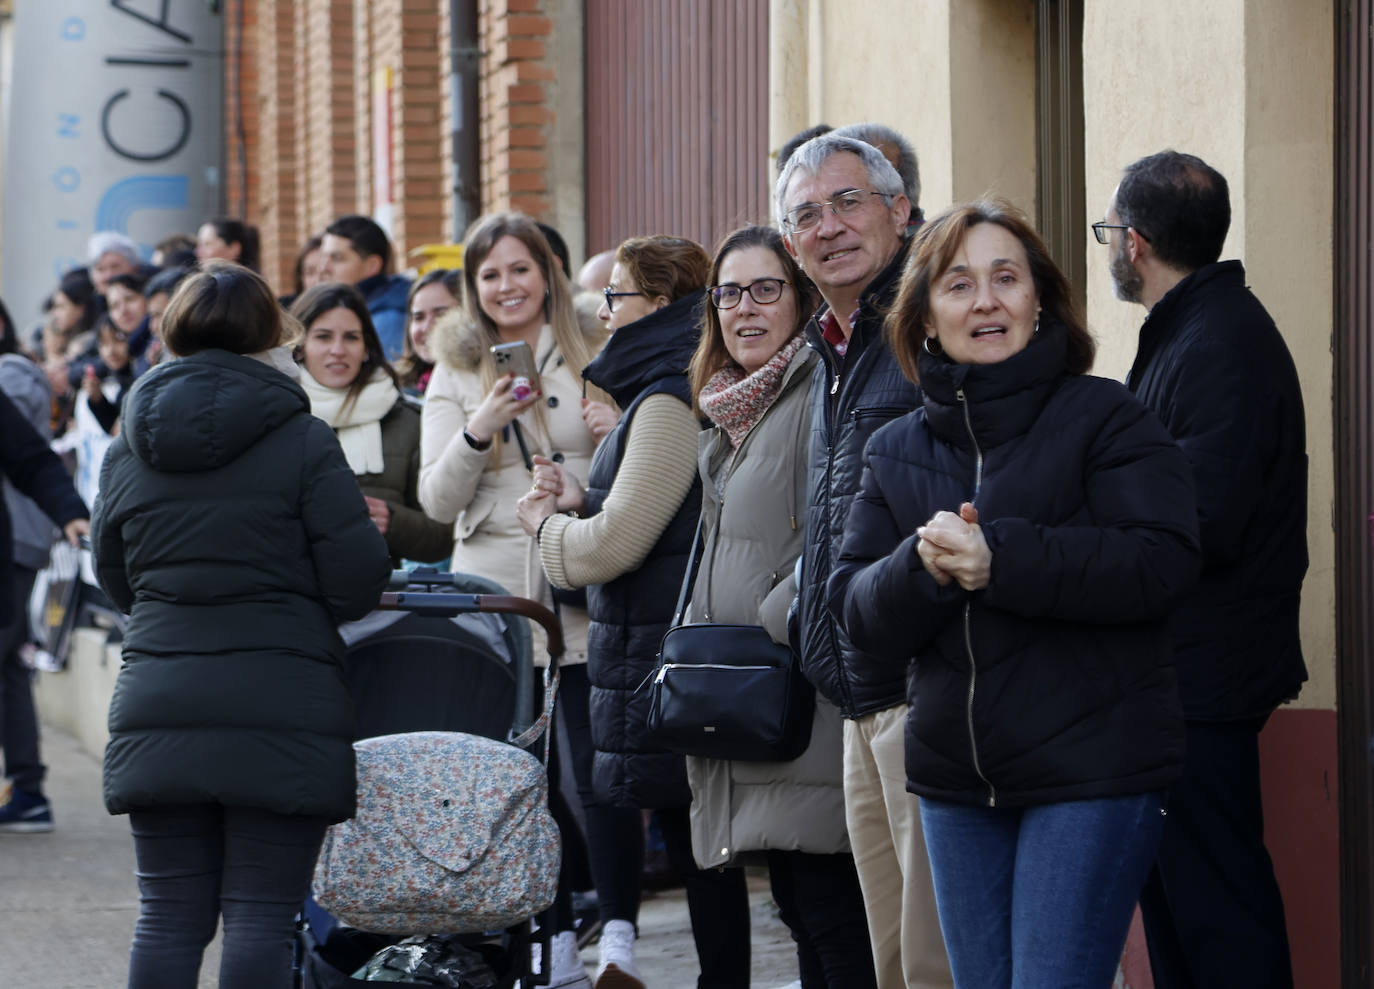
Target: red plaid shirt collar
<point x="833" y="335"/>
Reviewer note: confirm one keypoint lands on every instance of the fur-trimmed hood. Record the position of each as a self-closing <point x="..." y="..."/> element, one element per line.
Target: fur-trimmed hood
<point x="459" y="343"/>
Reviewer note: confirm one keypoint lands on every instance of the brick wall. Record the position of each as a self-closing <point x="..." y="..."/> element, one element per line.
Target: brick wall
<point x="280" y="216"/>
<point x="242" y="117"/>
<point x="515" y="100"/>
<point x="307" y="79"/>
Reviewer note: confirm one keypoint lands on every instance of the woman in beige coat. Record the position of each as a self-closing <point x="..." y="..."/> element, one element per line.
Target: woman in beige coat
<point x="473" y="469"/>
<point x="751" y="376"/>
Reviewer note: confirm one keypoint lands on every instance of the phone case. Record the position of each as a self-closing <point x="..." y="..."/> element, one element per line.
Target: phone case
<point x="517" y="359"/>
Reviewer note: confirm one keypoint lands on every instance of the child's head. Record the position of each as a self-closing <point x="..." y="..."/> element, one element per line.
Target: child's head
<point x="114" y="343"/>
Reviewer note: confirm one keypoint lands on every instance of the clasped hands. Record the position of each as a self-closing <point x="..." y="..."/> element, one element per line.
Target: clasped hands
<point x="553" y="490"/>
<point x="952" y="549"/>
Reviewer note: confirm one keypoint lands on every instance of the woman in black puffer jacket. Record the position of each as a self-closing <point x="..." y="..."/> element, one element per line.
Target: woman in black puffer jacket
<point x="232" y="530"/>
<point x="1018" y="541"/>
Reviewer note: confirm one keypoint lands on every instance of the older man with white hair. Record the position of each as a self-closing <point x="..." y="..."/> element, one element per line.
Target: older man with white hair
<point x="109" y="254"/>
<point x="844" y="213"/>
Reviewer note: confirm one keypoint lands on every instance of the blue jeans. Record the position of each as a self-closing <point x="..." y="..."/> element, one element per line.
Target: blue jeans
<point x="1039" y="897"/>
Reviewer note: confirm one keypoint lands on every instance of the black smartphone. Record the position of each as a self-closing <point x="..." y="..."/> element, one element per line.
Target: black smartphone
<point x="517" y="359"/>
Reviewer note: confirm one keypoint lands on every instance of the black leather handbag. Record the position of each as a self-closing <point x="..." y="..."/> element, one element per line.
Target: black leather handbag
<point x="728" y="691"/>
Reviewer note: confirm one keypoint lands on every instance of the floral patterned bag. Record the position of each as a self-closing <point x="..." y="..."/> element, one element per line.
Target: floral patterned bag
<point x="452" y="834"/>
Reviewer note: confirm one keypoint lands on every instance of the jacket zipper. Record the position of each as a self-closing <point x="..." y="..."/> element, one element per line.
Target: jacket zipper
<point x="968" y="608"/>
<point x="715" y="536"/>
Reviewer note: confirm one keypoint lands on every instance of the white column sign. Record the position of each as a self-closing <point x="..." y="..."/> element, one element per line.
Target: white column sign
<point x="115" y="123"/>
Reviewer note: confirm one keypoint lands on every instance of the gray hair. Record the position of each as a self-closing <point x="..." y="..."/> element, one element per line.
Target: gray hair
<point x="111" y="242"/>
<point x="810" y="156"/>
<point x="907" y="166"/>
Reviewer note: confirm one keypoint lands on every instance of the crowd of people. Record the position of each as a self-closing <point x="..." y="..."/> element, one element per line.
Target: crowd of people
<point x="1045" y="614"/>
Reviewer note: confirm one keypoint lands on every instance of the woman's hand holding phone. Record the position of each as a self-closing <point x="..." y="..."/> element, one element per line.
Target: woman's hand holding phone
<point x="499" y="409"/>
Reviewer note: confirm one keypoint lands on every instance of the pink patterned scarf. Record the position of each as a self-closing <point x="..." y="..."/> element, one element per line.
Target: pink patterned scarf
<point x="736" y="401"/>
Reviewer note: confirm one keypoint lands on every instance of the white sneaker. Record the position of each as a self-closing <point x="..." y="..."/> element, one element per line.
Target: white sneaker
<point x="617" y="966"/>
<point x="568" y="972"/>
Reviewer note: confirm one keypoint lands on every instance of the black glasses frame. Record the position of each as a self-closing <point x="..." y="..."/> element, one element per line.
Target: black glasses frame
<point x="1101" y="227"/>
<point x="715" y="299"/>
<point x="612" y="296"/>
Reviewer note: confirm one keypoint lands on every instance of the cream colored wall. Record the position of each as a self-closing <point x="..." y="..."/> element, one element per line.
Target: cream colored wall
<point x="992" y="95"/>
<point x="957" y="77"/>
<point x="1247" y="86"/>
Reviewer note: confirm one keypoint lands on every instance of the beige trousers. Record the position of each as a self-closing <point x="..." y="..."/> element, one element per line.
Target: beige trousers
<point x="890" y="853"/>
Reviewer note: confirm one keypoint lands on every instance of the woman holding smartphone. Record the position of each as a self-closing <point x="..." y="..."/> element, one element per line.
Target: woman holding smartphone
<point x="472" y="466"/>
<point x="481" y="426"/>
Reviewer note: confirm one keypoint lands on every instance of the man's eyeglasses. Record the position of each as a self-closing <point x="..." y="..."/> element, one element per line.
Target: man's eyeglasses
<point x="612" y="296"/>
<point x="808" y="215"/>
<point x="1101" y="227"/>
<point x="764" y="291"/>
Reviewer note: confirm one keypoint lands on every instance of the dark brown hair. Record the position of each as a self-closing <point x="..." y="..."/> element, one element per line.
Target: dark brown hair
<point x="711" y="353"/>
<point x="672" y="267"/>
<point x="932" y="254"/>
<point x="224" y="306"/>
<point x="326" y="297"/>
<point x="410" y="365"/>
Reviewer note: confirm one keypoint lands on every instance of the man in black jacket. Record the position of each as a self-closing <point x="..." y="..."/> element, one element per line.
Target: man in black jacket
<point x="1212" y="365"/>
<point x="844" y="212"/>
<point x="35" y="471"/>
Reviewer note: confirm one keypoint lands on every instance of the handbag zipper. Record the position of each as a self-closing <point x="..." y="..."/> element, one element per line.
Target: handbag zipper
<point x="663" y="670"/>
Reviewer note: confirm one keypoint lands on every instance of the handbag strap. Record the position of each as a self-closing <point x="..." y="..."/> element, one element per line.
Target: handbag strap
<point x="690" y="576"/>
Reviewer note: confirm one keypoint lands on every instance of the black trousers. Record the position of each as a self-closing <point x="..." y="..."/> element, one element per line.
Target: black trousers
<point x="18" y="720"/>
<point x="200" y="863"/>
<point x="1212" y="909"/>
<point x="718" y="903"/>
<point x="819" y="900"/>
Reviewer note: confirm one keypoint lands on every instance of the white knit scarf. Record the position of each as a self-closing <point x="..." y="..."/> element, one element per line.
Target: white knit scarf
<point x="359" y="429"/>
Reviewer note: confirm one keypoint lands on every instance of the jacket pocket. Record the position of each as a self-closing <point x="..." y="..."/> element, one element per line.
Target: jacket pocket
<point x="471" y="518"/>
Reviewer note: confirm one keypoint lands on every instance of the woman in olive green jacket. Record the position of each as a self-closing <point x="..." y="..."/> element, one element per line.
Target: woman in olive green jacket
<point x="352" y="387"/>
<point x="751" y="375"/>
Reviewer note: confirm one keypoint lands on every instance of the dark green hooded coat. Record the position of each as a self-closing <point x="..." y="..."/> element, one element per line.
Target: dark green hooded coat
<point x="231" y="528"/>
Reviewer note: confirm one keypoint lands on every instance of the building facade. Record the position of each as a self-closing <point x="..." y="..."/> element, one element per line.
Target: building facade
<point x="610" y="118"/>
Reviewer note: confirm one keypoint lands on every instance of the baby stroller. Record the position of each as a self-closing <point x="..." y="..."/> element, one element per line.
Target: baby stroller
<point x="444" y="652"/>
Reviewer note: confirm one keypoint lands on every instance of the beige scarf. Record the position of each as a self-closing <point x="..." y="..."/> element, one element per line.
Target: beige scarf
<point x="359" y="427"/>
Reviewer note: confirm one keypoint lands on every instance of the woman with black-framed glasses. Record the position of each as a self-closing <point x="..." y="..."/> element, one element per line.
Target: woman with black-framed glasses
<point x="629" y="549"/>
<point x="751" y="379"/>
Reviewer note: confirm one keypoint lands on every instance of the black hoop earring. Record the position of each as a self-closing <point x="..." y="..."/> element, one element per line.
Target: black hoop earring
<point x="937" y="350"/>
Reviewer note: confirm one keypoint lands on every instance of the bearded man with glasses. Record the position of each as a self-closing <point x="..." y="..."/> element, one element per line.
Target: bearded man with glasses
<point x="844" y="214"/>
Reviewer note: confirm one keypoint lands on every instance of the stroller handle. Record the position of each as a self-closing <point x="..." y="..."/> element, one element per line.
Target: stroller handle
<point x="446" y="605"/>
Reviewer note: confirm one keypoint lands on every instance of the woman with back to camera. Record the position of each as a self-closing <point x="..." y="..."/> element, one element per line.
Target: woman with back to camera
<point x="1018" y="541"/>
<point x="641" y="503"/>
<point x="352" y="387"/>
<point x="234" y="534"/>
<point x="751" y="377"/>
<point x="433" y="296"/>
<point x="477" y="430"/>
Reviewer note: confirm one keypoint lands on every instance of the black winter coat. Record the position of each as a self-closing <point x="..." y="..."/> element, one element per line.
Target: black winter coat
<point x="1055" y="681"/>
<point x="1212" y="365"/>
<point x="629" y="615"/>
<point x="231" y="529"/>
<point x="850" y="400"/>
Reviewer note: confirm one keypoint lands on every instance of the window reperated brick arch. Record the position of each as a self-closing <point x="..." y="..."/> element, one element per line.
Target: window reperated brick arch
<point x="677" y="118"/>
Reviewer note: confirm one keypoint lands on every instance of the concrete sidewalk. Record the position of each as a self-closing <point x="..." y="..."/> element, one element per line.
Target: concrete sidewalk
<point x="68" y="900"/>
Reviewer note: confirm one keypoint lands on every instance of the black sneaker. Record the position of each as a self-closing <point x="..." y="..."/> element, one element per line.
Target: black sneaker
<point x="25" y="813"/>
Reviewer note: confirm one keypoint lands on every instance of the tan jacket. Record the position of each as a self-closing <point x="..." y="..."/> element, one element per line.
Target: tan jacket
<point x="476" y="490"/>
<point x="750" y="544"/>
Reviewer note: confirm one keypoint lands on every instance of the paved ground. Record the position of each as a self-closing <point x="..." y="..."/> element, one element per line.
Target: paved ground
<point x="68" y="900"/>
